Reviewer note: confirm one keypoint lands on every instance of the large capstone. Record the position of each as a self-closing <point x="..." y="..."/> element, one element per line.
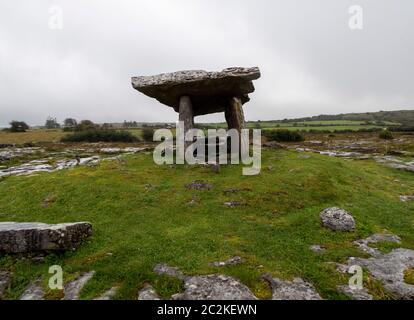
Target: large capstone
<point x="210" y="92"/>
<point x="28" y="237"/>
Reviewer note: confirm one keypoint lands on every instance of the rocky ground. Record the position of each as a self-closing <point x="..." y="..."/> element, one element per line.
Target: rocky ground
<point x="204" y="196"/>
<point x="395" y="154"/>
<point x="27" y="161"/>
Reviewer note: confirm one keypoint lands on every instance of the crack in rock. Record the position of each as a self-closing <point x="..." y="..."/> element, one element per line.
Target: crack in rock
<point x="34" y="291"/>
<point x="73" y="288"/>
<point x="230" y="262"/>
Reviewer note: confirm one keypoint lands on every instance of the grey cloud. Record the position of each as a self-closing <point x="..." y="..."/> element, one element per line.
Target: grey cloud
<point x="311" y="61"/>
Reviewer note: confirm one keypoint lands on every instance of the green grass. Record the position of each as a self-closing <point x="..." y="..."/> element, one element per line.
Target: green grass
<point x="136" y="227"/>
<point x="309" y="125"/>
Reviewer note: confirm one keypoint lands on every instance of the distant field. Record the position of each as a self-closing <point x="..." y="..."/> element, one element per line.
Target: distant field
<point x="31" y="136"/>
<point x="311" y="125"/>
<point x="324" y="128"/>
<point x="42" y="135"/>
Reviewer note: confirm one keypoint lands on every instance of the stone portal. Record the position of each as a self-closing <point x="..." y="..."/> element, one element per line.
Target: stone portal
<point x="195" y="93"/>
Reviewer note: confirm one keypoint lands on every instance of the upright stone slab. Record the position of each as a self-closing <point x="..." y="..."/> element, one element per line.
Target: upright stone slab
<point x="235" y="115"/>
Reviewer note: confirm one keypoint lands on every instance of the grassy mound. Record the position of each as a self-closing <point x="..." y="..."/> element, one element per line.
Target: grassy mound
<point x="143" y="215"/>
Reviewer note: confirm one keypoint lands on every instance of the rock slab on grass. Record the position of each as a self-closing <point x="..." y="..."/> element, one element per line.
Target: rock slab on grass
<point x="74" y="288"/>
<point x="355" y="294"/>
<point x="209" y="287"/>
<point x="214" y="287"/>
<point x="33" y="292"/>
<point x="230" y="262"/>
<point x="5" y="281"/>
<point x="292" y="290"/>
<point x="338" y="220"/>
<point x="28" y="237"/>
<point x="148" y="293"/>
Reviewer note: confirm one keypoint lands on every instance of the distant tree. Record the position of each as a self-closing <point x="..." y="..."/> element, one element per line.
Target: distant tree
<point x="386" y="135"/>
<point x="107" y="126"/>
<point x="148" y="134"/>
<point x="85" y="125"/>
<point x="130" y="124"/>
<point x="18" y="126"/>
<point x="51" y="123"/>
<point x="70" y="123"/>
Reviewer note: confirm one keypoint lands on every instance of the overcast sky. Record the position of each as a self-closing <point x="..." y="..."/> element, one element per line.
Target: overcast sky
<point x="311" y="61"/>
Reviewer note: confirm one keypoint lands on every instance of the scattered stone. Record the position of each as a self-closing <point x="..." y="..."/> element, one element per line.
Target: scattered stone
<point x="235" y="190"/>
<point x="108" y="295"/>
<point x="121" y="150"/>
<point x="73" y="288"/>
<point x="342" y="268"/>
<point x="148" y="293"/>
<point x="270" y="168"/>
<point x="214" y="287"/>
<point x="316" y="142"/>
<point x="234" y="204"/>
<point x="149" y="186"/>
<point x="355" y="293"/>
<point x="26" y="237"/>
<point x="295" y="290"/>
<point x="317" y="248"/>
<point x="273" y="145"/>
<point x="199" y="185"/>
<point x="38" y="258"/>
<point x="5" y="281"/>
<point x="163" y="268"/>
<point x="215" y="167"/>
<point x="193" y="202"/>
<point x="34" y="291"/>
<point x="364" y="244"/>
<point x="406" y="198"/>
<point x="47" y="201"/>
<point x="337" y="219"/>
<point x="231" y="262"/>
